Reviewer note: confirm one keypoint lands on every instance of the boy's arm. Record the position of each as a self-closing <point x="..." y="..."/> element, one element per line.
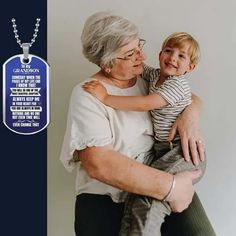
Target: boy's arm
<point x="135" y="103"/>
<point x="149" y="72"/>
<point x="128" y="103"/>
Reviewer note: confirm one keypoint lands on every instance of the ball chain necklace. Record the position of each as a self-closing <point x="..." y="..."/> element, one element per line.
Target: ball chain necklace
<point x="25" y="46"/>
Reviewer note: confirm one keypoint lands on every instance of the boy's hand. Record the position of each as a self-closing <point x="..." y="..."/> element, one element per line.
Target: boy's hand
<point x="95" y="88"/>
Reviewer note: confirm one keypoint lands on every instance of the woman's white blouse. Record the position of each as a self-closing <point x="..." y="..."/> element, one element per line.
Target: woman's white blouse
<point x="91" y="123"/>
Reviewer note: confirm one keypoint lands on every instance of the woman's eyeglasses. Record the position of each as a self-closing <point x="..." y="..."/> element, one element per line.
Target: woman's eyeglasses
<point x="132" y="55"/>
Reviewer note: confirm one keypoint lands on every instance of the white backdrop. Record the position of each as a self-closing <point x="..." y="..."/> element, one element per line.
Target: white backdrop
<point x="213" y="23"/>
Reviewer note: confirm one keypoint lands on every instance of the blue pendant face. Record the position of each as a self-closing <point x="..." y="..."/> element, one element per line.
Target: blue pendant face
<point x="26" y="94"/>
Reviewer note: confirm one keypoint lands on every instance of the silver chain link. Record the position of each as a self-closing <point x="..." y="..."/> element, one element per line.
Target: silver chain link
<point x="15" y="31"/>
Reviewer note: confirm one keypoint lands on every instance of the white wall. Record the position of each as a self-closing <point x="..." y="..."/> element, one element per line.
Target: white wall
<point x="213" y="22"/>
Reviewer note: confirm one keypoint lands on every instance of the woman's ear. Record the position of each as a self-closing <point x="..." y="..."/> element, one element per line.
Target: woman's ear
<point x="107" y="69"/>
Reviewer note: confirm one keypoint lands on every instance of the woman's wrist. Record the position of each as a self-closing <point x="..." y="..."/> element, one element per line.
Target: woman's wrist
<point x="170" y="191"/>
<point x="195" y="107"/>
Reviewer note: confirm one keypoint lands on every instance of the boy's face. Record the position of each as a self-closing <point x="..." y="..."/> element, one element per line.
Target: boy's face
<point x="175" y="61"/>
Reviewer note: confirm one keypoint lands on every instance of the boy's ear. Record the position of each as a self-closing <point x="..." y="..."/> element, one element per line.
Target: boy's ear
<point x="160" y="54"/>
<point x="191" y="67"/>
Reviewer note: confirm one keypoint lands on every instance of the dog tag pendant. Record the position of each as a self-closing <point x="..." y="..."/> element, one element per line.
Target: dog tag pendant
<point x="26" y="93"/>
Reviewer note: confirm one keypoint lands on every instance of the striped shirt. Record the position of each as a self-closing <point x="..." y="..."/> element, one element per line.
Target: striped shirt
<point x="176" y="91"/>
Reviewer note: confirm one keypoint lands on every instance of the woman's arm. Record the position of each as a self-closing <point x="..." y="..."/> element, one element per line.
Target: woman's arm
<point x="117" y="170"/>
<point x="187" y="125"/>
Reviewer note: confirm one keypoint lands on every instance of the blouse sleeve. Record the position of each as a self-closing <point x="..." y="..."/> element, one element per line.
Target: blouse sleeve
<point x="87" y="125"/>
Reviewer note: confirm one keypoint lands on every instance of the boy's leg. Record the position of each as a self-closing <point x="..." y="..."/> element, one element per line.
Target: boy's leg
<point x="191" y="222"/>
<point x="137" y="209"/>
<point x="172" y="161"/>
<point x="146" y="214"/>
<point x="126" y="219"/>
<point x="144" y="217"/>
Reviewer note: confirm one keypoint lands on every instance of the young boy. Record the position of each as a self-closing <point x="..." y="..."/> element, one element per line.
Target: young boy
<point x="169" y="94"/>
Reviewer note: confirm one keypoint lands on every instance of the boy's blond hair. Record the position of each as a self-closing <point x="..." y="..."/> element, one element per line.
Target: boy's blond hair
<point x="179" y="39"/>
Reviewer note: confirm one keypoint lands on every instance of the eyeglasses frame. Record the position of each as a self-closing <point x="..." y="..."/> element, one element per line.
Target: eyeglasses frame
<point x="140" y="46"/>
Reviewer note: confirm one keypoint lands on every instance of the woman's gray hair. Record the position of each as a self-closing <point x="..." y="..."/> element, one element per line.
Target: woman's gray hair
<point x="104" y="34"/>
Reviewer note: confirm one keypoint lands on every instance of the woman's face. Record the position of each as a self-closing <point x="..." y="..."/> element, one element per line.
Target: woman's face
<point x="129" y="63"/>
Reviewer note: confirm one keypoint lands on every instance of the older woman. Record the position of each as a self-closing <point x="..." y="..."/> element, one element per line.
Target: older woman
<point x="108" y="147"/>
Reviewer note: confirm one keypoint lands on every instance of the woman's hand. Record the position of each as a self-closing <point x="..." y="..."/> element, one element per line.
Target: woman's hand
<point x="182" y="194"/>
<point x="187" y="125"/>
